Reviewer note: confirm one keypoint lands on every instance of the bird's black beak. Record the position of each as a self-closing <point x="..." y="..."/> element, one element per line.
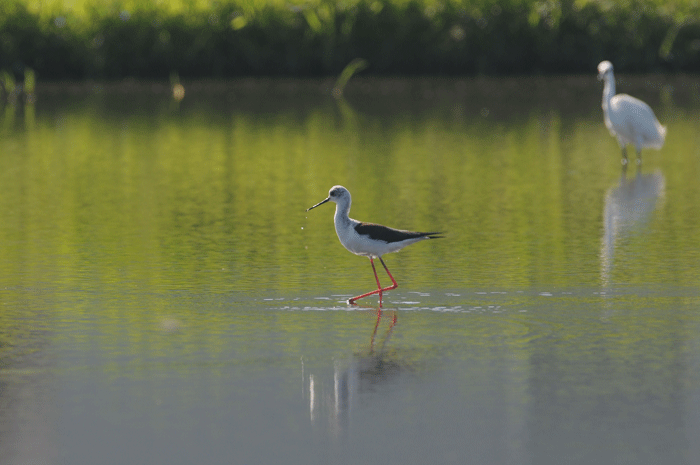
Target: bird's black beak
<point x="318" y="204"/>
<point x="600" y="77"/>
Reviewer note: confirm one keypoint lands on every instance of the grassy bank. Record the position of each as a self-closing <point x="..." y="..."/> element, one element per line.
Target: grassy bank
<point x="92" y="39"/>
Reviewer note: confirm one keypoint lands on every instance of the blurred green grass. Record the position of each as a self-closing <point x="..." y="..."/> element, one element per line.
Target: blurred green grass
<point x="90" y="39"/>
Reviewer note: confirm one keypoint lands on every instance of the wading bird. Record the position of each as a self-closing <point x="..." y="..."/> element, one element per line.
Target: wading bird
<point x="627" y="118"/>
<point x="367" y="239"/>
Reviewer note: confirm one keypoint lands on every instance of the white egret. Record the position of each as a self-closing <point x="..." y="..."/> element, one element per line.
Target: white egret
<point x="627" y="118"/>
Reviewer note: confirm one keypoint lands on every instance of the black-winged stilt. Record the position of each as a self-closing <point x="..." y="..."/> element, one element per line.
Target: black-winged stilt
<point x="367" y="239"/>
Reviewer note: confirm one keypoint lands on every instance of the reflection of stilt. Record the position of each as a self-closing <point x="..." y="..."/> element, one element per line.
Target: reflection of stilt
<point x="329" y="406"/>
<point x="335" y="402"/>
<point x="312" y="397"/>
<point x="376" y="327"/>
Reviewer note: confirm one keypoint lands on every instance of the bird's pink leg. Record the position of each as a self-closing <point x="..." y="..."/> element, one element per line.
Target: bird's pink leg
<point x="394" y="286"/>
<point x="379" y="289"/>
<point x="379" y="286"/>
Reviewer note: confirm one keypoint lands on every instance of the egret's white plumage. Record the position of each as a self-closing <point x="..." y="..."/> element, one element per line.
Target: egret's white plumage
<point x="627" y="118"/>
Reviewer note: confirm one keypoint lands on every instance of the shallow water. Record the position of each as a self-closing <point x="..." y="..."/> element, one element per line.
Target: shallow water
<point x="166" y="298"/>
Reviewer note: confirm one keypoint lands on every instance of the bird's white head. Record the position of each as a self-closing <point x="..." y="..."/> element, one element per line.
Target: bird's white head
<point x="605" y="70"/>
<point x="337" y="194"/>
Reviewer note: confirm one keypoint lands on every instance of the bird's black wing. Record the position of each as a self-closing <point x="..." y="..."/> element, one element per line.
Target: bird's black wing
<point x="386" y="234"/>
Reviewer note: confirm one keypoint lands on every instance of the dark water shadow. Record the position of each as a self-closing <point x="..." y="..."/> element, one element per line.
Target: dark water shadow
<point x="629" y="207"/>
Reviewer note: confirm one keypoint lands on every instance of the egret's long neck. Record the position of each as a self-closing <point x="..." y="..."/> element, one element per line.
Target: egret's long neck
<point x="608" y="90"/>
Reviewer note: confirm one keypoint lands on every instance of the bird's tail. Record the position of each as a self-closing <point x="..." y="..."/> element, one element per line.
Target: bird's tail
<point x="662" y="132"/>
<point x="659" y="142"/>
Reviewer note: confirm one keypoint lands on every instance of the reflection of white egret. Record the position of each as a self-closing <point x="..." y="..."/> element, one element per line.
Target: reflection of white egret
<point x="628" y="208"/>
<point x="629" y="119"/>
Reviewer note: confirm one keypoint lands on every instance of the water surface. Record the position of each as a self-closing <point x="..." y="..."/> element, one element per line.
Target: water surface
<point x="166" y="298"/>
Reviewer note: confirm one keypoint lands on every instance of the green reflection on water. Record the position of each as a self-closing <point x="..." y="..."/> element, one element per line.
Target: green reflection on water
<point x="120" y="188"/>
<point x="113" y="195"/>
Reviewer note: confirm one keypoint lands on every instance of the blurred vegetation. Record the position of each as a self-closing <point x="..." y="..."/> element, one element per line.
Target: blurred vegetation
<point x="82" y="39"/>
